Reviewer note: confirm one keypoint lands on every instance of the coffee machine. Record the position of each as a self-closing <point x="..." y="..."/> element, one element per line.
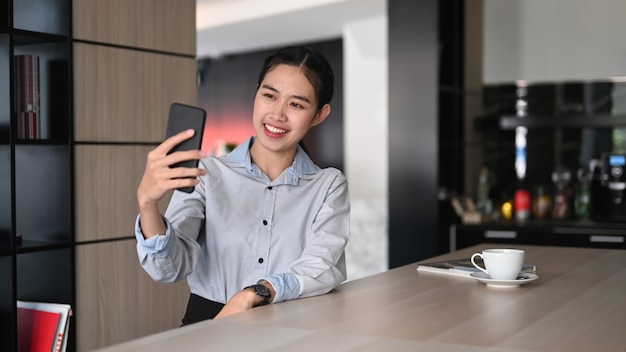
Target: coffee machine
<point x="609" y="188"/>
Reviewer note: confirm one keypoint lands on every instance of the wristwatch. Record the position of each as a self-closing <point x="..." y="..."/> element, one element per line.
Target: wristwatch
<point x="262" y="291"/>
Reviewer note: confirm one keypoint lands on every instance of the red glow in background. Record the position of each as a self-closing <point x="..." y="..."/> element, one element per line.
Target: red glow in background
<point x="221" y="130"/>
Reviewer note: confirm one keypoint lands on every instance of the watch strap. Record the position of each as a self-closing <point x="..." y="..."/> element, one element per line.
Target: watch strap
<point x="261" y="291"/>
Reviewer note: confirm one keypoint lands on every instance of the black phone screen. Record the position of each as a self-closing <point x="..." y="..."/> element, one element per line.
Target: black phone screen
<point x="183" y="117"/>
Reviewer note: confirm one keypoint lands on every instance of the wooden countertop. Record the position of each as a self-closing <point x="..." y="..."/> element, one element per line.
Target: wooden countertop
<point x="577" y="304"/>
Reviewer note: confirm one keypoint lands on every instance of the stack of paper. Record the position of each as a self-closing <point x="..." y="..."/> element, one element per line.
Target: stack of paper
<point x="459" y="267"/>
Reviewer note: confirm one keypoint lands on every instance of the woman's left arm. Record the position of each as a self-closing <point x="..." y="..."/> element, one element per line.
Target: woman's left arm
<point x="322" y="266"/>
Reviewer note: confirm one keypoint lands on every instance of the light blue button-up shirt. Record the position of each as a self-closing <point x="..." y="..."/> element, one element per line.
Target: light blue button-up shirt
<point x="291" y="231"/>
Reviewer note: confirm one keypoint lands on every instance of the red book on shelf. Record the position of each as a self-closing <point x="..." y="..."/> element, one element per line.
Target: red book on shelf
<point x="36" y="330"/>
<point x="27" y="98"/>
<point x="64" y="312"/>
<point x="27" y="81"/>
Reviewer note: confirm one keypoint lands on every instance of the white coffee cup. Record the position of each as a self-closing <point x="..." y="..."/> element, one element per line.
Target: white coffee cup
<point x="501" y="264"/>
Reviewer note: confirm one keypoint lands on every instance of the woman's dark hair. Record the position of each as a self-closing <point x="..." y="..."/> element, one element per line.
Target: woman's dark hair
<point x="314" y="66"/>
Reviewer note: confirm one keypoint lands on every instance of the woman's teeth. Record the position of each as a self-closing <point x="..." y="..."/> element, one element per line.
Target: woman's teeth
<point x="274" y="129"/>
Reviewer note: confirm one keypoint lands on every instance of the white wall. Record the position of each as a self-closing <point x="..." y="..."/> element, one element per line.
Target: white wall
<point x="366" y="110"/>
<point x="366" y="143"/>
<point x="554" y="40"/>
<point x="238" y="26"/>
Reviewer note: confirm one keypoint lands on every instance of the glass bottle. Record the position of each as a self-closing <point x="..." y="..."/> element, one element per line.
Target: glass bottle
<point x="582" y="200"/>
<point x="505" y="210"/>
<point x="521" y="204"/>
<point x="484" y="204"/>
<point x="561" y="177"/>
<point x="541" y="202"/>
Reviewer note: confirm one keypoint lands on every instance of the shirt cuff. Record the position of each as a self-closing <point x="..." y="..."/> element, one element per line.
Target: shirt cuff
<point x="158" y="246"/>
<point x="285" y="285"/>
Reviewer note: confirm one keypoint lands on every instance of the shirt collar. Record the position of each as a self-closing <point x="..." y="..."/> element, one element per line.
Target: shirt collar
<point x="302" y="167"/>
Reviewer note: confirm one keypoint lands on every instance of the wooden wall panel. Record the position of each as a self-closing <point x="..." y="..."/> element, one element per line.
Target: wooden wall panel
<point x="117" y="301"/>
<point x="123" y="95"/>
<point x="131" y="60"/>
<point x="164" y="25"/>
<point x="107" y="177"/>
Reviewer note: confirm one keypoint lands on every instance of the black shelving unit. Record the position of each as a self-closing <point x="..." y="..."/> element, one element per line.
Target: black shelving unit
<point x="36" y="175"/>
<point x="570" y="124"/>
<point x="547" y="233"/>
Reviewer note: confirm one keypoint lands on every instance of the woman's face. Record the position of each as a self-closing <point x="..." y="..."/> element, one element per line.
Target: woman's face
<point x="285" y="108"/>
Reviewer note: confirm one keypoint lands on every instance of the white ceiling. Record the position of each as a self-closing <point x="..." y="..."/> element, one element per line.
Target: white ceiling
<point x="236" y="26"/>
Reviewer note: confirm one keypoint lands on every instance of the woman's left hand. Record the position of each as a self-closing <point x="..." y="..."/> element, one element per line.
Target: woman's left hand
<point x="240" y="301"/>
<point x="244" y="300"/>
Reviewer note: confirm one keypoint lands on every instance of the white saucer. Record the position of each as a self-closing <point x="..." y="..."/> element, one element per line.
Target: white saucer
<point x="522" y="279"/>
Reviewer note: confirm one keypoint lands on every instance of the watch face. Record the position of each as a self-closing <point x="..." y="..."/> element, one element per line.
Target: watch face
<point x="262" y="290"/>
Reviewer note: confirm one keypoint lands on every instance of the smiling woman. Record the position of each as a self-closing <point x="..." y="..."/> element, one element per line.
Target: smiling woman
<point x="264" y="223"/>
<point x="285" y="108"/>
<point x="294" y="91"/>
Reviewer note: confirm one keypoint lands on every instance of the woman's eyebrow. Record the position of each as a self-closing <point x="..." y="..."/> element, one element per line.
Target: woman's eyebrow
<point x="299" y="97"/>
<point x="305" y="99"/>
<point x="269" y="87"/>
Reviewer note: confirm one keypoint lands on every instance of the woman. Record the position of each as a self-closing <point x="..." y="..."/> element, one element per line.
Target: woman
<point x="264" y="223"/>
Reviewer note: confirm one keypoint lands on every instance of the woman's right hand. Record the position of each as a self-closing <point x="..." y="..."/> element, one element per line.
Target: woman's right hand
<point x="158" y="178"/>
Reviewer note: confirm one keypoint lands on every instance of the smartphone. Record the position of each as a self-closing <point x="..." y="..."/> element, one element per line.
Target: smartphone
<point x="183" y="117"/>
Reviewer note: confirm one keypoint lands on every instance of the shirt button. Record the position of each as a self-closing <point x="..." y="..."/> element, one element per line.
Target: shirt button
<point x="264" y="222"/>
<point x="260" y="260"/>
<point x="269" y="188"/>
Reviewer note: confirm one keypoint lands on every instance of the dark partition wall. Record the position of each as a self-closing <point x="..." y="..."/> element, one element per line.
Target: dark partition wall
<point x="413" y="130"/>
